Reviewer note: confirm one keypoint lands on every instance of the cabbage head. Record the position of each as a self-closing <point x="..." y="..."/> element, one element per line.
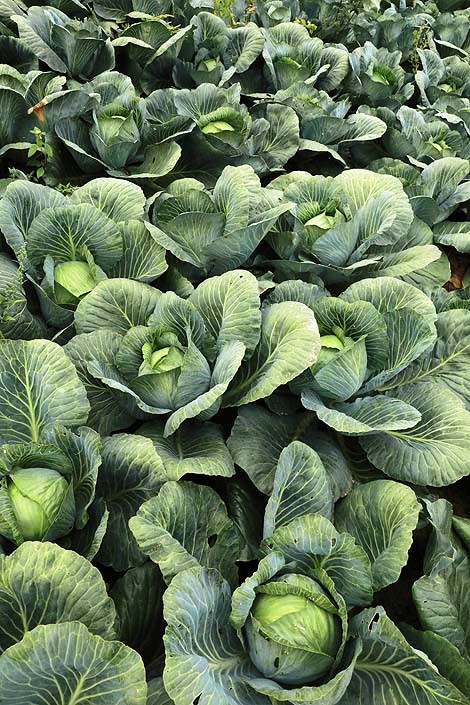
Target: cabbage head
<point x="293" y="631"/>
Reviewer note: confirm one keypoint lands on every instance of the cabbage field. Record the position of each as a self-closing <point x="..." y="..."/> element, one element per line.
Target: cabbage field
<point x="235" y="352"/>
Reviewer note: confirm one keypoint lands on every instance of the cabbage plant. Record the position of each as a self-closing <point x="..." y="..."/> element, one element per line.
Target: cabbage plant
<point x="48" y="487"/>
<point x="234" y="352"/>
<point x="289" y="632"/>
<point x="335" y="232"/>
<point x="378" y="78"/>
<point x="113" y="137"/>
<point x="68" y="244"/>
<point x="17" y="321"/>
<point x="214" y="231"/>
<point x="186" y="358"/>
<point x="79" y="48"/>
<point x="198" y="131"/>
<point x="434" y="139"/>
<point x="291" y="55"/>
<point x="205" y="51"/>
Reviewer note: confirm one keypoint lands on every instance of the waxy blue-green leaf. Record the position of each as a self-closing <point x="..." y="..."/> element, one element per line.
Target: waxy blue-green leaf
<point x="409" y="336"/>
<point x="164" y="121"/>
<point x="344" y="375"/>
<point x="39" y="388"/>
<point x="381" y="515"/>
<point x="188" y="235"/>
<point x="388" y="294"/>
<point x="257" y="440"/>
<point x="41" y="583"/>
<point x="364" y="416"/>
<point x="440" y="594"/>
<point x="274" y="138"/>
<point x="16" y="320"/>
<point x="244" y="595"/>
<point x="65" y="661"/>
<point x="356" y="319"/>
<point x="258" y="437"/>
<point x="300" y="487"/>
<point x="157" y="694"/>
<point x="230" y="308"/>
<point x="131" y="473"/>
<point x="245" y="44"/>
<point x="462" y="527"/>
<point x="378" y="213"/>
<point x="83" y="449"/>
<point x="442" y="183"/>
<point x="195" y="448"/>
<point x="149" y="39"/>
<point x="250" y="213"/>
<point x="62" y="45"/>
<point x="207" y="404"/>
<point x="204" y="656"/>
<point x="121" y="201"/>
<point x="448" y="361"/>
<point x="138" y="597"/>
<point x="159" y="160"/>
<point x="409" y="316"/>
<point x="313" y="542"/>
<point x="15" y="123"/>
<point x="289" y="343"/>
<point x="20" y="205"/>
<point x="143" y="258"/>
<point x="180" y="316"/>
<point x="297" y="290"/>
<point x="436" y="451"/>
<point x="328" y="693"/>
<point x="107" y="412"/>
<point x="443" y="655"/>
<point x="241" y="497"/>
<point x="389" y="668"/>
<point x="87" y="541"/>
<point x="186" y="525"/>
<point x="116" y="304"/>
<point x="455" y="234"/>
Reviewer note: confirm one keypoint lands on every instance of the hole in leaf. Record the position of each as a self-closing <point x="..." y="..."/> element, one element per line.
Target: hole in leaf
<point x="333" y="542"/>
<point x="375" y="619"/>
<point x="212" y="539"/>
<point x="276" y="662"/>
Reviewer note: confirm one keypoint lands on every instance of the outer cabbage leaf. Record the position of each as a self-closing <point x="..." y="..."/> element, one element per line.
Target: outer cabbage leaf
<point x="204" y="656"/>
<point x="300" y="487"/>
<point x="313" y="542"/>
<point x="186" y="525"/>
<point x="131" y="473"/>
<point x="433" y="452"/>
<point x="39" y="387"/>
<point x="385" y="505"/>
<point x="97" y="667"/>
<point x="196" y="448"/>
<point x="67" y="588"/>
<point x="387" y="665"/>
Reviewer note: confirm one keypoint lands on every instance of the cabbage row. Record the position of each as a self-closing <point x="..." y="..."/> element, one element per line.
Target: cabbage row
<point x="234" y="352"/>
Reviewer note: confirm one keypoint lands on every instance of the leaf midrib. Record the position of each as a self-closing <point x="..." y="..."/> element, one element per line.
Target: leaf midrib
<point x="33" y="422"/>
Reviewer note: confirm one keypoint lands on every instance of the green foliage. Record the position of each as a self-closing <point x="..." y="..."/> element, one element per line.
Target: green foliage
<point x="234" y="352"/>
